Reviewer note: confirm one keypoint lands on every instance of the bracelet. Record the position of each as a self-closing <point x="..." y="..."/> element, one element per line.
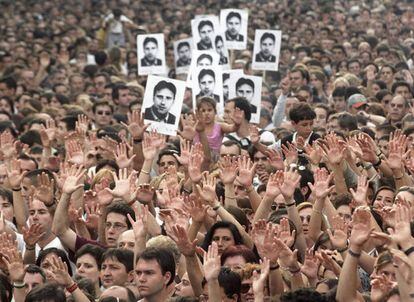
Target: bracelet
<point x="399" y="178"/>
<point x="215" y="208"/>
<point x="345" y="248"/>
<point x="295" y="271"/>
<point x="19" y="285"/>
<point x="137" y="141"/>
<point x="273" y="268"/>
<point x="409" y="251"/>
<point x="353" y="254"/>
<point x="230" y="197"/>
<point x="379" y="153"/>
<point x="30" y="248"/>
<point x="145" y="172"/>
<point x="17" y="190"/>
<point x="290" y="204"/>
<point x="72" y="288"/>
<point x="377" y="164"/>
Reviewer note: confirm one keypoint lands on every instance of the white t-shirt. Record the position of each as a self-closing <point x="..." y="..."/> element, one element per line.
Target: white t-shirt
<point x="115" y="26"/>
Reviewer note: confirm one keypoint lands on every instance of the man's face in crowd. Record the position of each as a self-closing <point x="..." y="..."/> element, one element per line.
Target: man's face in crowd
<point x="233" y="26"/>
<point x="228" y="112"/>
<point x="115" y="225"/>
<point x="205" y="34"/>
<point x="165" y="162"/>
<point x="403" y="91"/>
<point x="267" y="47"/>
<point x="127" y="240"/>
<point x="261" y="160"/>
<point x="5" y="91"/>
<point x="113" y="272"/>
<point x="397" y="108"/>
<point x="100" y="83"/>
<point x="184" y="289"/>
<point x="338" y="54"/>
<point x="333" y="125"/>
<point x="39" y="214"/>
<point x="306" y="95"/>
<point x="103" y="115"/>
<point x="321" y="116"/>
<point x="386" y="74"/>
<point x="230" y="151"/>
<point x="305" y="215"/>
<point x="149" y="278"/>
<point x="6" y="208"/>
<point x="296" y="80"/>
<point x="245" y="91"/>
<point x="184" y="53"/>
<point x="150" y="51"/>
<point x="207" y="85"/>
<point x="304" y="128"/>
<point x="77" y="84"/>
<point x="354" y="68"/>
<point x="163" y="100"/>
<point x="123" y="98"/>
<point x="339" y="103"/>
<point x="31" y="281"/>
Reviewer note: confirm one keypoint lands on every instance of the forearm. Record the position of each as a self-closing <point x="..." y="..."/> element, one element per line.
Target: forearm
<point x="193" y="230"/>
<point x="296" y="281"/>
<point x="347" y="286"/>
<point x="19" y="208"/>
<point x="214" y="291"/>
<point x="29" y="256"/>
<point x="61" y="219"/>
<point x="79" y="296"/>
<point x="315" y="224"/>
<point x="366" y="262"/>
<point x="140" y="245"/>
<point x="254" y="198"/>
<point x="46" y="153"/>
<point x="276" y="286"/>
<point x="339" y="179"/>
<point x="195" y="274"/>
<point x="154" y="229"/>
<point x="206" y="149"/>
<point x="77" y="199"/>
<point x="229" y="196"/>
<point x="82" y="230"/>
<point x="293" y="215"/>
<point x="264" y="209"/>
<point x="144" y="174"/>
<point x="101" y="226"/>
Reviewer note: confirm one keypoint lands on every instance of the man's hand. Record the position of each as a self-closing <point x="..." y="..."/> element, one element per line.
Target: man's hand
<point x="73" y="180"/>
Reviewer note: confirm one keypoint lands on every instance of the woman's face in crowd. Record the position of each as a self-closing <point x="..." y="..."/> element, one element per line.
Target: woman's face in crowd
<point x="87" y="267"/>
<point x="235" y="262"/>
<point x="4" y="105"/>
<point x="184" y="289"/>
<point x="384" y="198"/>
<point x="224" y="238"/>
<point x="7" y="208"/>
<point x="318" y="84"/>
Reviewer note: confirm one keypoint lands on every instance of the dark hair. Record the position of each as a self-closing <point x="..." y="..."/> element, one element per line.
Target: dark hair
<point x="233" y="15"/>
<point x="205" y="72"/>
<point x="347" y="121"/>
<point x="6" y="194"/>
<point x="6" y="289"/>
<point x="170" y="152"/>
<point x="183" y="44"/>
<point x="231" y="143"/>
<point x="164" y="258"/>
<point x="8" y="100"/>
<point x="206" y="100"/>
<point x="230" y="281"/>
<point x="116" y="89"/>
<point x="90" y="249"/>
<point x="243" y="105"/>
<point x="399" y="84"/>
<point x="303" y="72"/>
<point x="46" y="292"/>
<point x="205" y="23"/>
<point x="339" y="92"/>
<point x="122" y="209"/>
<point x="52" y="250"/>
<point x="10" y="82"/>
<point x="106" y="162"/>
<point x="205" y="56"/>
<point x="165" y="85"/>
<point x="267" y="35"/>
<point x="243" y="81"/>
<point x="301" y="112"/>
<point x="222" y="225"/>
<point x="30" y="138"/>
<point x="218" y="39"/>
<point x="124" y="256"/>
<point x="148" y="40"/>
<point x="302" y="295"/>
<point x="102" y="103"/>
<point x="239" y="250"/>
<point x="34" y="269"/>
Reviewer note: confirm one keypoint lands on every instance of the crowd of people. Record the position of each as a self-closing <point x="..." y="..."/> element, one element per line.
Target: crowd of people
<point x="314" y="203"/>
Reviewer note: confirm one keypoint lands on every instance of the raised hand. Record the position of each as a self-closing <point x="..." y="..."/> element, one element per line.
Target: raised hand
<point x="8" y="144"/>
<point x="263" y="234"/>
<point x="73" y="180"/>
<point x="135" y="126"/>
<point x="333" y="150"/>
<point x="275" y="159"/>
<point x="368" y="148"/>
<point x="285" y="234"/>
<point x="396" y="153"/>
<point x="123" y="185"/>
<point x="211" y="264"/>
<point x="311" y="264"/>
<point x="58" y="270"/>
<point x="321" y="187"/>
<point x="208" y="192"/>
<point x="273" y="185"/>
<point x="44" y="191"/>
<point x="338" y="235"/>
<point x="290" y="152"/>
<point x="228" y="170"/>
<point x="48" y="132"/>
<point x="185" y="153"/>
<point x="189" y="125"/>
<point x="194" y="167"/>
<point x="93" y="212"/>
<point x="32" y="234"/>
<point x="313" y="153"/>
<point x="254" y="134"/>
<point x="195" y="208"/>
<point x="381" y="285"/>
<point x="291" y="179"/>
<point x="149" y="148"/>
<point x="246" y="171"/>
<point x="172" y="217"/>
<point x="15" y="174"/>
<point x="121" y="155"/>
<point x="360" y="196"/>
<point x="14" y="262"/>
<point x="140" y="224"/>
<point x="259" y="280"/>
<point x="75" y="153"/>
<point x="82" y="123"/>
<point x="401" y="234"/>
<point x="180" y="237"/>
<point x="361" y="226"/>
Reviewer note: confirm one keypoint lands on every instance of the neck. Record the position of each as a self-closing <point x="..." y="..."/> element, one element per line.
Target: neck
<point x="46" y="239"/>
<point x="243" y="130"/>
<point x="161" y="296"/>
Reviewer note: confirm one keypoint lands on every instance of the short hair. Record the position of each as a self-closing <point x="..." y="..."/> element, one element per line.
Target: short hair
<point x="301" y="112"/>
<point x="205" y="72"/>
<point x="183" y="44"/>
<point x="46" y="292"/>
<point x="6" y="194"/>
<point x="347" y="121"/>
<point x="231" y="143"/>
<point x="267" y="35"/>
<point x="205" y="23"/>
<point x="239" y="250"/>
<point x="165" y="85"/>
<point x="170" y="152"/>
<point x="303" y="72"/>
<point x="93" y="250"/>
<point x="399" y="84"/>
<point x="243" y="105"/>
<point x="117" y="88"/>
<point x="164" y="258"/>
<point x="339" y="92"/>
<point x="382" y="93"/>
<point x="10" y="82"/>
<point x="230" y="281"/>
<point x="122" y="209"/>
<point x="243" y="81"/>
<point x="205" y="56"/>
<point x="124" y="256"/>
<point x="52" y="250"/>
<point x="34" y="269"/>
<point x="165" y="242"/>
<point x="101" y="103"/>
<point x="148" y="40"/>
<point x="233" y="15"/>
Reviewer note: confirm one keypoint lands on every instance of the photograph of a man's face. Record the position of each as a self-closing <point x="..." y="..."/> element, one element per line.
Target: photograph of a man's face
<point x="233" y="24"/>
<point x="245" y="88"/>
<point x="150" y="46"/>
<point x="206" y="33"/>
<point x="207" y="80"/>
<point x="267" y="46"/>
<point x="163" y="100"/>
<point x="266" y="49"/>
<point x="204" y="60"/>
<point x="151" y="55"/>
<point x="184" y="54"/>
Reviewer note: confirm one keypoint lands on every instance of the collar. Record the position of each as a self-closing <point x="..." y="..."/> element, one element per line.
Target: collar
<point x="157" y="118"/>
<point x="306" y="140"/>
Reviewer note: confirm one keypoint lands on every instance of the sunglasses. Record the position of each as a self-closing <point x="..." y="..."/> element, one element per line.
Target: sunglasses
<point x="245" y="288"/>
<point x="103" y="112"/>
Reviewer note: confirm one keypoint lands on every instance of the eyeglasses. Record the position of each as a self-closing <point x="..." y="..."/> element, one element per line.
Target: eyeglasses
<point x="245" y="288"/>
<point x="103" y="112"/>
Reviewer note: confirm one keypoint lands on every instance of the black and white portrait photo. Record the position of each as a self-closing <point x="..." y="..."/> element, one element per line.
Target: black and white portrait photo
<point x="162" y="104"/>
<point x="222" y="51"/>
<point x="266" y="49"/>
<point x="207" y="81"/>
<point x="248" y="87"/>
<point x="182" y="55"/>
<point x="233" y="23"/>
<point x="203" y="58"/>
<point x="226" y="79"/>
<point x="204" y="30"/>
<point x="151" y="54"/>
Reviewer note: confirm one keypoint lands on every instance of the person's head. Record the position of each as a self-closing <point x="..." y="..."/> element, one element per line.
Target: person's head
<point x="207" y="82"/>
<point x="184" y="288"/>
<point x="398" y="108"/>
<point x="206" y="106"/>
<point x="233" y="23"/>
<point x="384" y="266"/>
<point x="205" y="30"/>
<point x="127" y="240"/>
<point x="347" y="122"/>
<point x="245" y="89"/>
<point x="298" y="77"/>
<point x="164" y="96"/>
<point x="267" y="44"/>
<point x="102" y="112"/>
<point x="230" y="285"/>
<point x="339" y="101"/>
<point x="8" y="86"/>
<point x="384" y="196"/>
<point x="117" y="267"/>
<point x="224" y="233"/>
<point x="88" y="262"/>
<point x="184" y="50"/>
<point x="150" y="48"/>
<point x="354" y="66"/>
<point x="33" y="277"/>
<point x="321" y="111"/>
<point x="403" y="89"/>
<point x="204" y="60"/>
<point x="118" y="294"/>
<point x="100" y="80"/>
<point x="39" y="214"/>
<point x="167" y="158"/>
<point x="387" y="73"/>
<point x="305" y="212"/>
<point x="236" y="256"/>
<point x="50" y="292"/>
<point x="244" y="105"/>
<point x="45" y="258"/>
<point x="357" y="102"/>
<point x="120" y="95"/>
<point x="342" y="204"/>
<point x="117" y="222"/>
<point x="154" y="272"/>
<point x="230" y="148"/>
<point x="302" y="117"/>
<point x="6" y="204"/>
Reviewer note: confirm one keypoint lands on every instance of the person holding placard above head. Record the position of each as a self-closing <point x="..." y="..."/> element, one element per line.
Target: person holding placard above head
<point x="206" y="82"/>
<point x="233" y="24"/>
<point x="150" y="50"/>
<point x="245" y="89"/>
<point x="164" y="95"/>
<point x="206" y="31"/>
<point x="184" y="54"/>
<point x="267" y="45"/>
